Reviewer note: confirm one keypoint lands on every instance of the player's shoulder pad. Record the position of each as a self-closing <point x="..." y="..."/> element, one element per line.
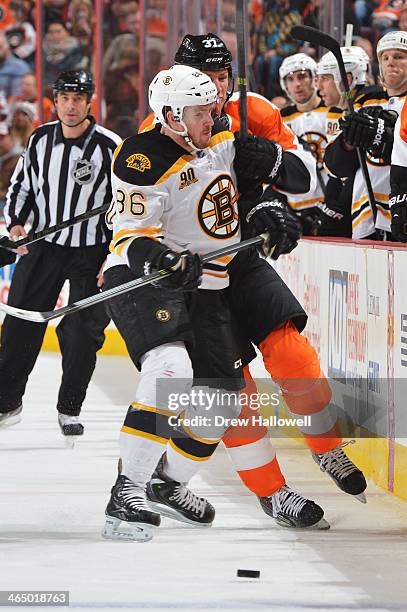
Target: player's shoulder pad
<point x="144" y="158"/>
<point x="372" y="92"/>
<point x="335" y="111"/>
<point x="288" y="112"/>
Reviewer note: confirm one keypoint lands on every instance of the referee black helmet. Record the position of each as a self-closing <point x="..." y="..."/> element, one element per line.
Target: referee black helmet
<point x="76" y="81"/>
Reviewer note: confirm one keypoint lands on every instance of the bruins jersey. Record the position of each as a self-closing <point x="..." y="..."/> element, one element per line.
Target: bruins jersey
<point x="398" y="178"/>
<point x="379" y="172"/>
<point x="264" y="120"/>
<point x="313" y="129"/>
<point x="189" y="202"/>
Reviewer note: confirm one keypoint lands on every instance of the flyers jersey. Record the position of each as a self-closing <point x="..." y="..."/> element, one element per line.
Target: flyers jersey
<point x="162" y="192"/>
<point x="313" y="129"/>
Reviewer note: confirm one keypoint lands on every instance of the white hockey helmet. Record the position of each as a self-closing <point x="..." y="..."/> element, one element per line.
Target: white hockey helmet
<point x="179" y="87"/>
<point x="356" y="62"/>
<point x="392" y="40"/>
<point x="295" y="63"/>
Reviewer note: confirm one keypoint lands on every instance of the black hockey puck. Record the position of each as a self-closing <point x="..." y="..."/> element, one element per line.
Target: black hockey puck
<point x="243" y="573"/>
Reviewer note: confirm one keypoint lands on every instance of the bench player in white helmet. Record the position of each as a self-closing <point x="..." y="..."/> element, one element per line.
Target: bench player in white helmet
<point x="313" y="122"/>
<point x="371" y="128"/>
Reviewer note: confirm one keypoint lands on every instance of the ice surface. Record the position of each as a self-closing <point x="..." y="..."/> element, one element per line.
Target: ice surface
<point x="52" y="511"/>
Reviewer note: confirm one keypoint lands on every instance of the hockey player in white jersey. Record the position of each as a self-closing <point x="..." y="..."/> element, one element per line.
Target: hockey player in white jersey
<point x="175" y="195"/>
<point x="313" y="122"/>
<point x="371" y="128"/>
<point x="398" y="178"/>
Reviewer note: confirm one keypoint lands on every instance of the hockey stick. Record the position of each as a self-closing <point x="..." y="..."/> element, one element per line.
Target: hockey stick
<point x="241" y="64"/>
<point x="43" y="317"/>
<point x="321" y="39"/>
<point x="10" y="245"/>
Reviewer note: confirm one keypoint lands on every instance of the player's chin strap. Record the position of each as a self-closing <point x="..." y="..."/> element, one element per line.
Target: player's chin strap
<point x="185" y="136"/>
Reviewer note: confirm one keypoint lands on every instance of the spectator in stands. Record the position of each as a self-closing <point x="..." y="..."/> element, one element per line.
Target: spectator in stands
<point x="29" y="94"/>
<point x="10" y="152"/>
<point x="275" y="43"/>
<point x="4" y="107"/>
<point x="22" y="122"/>
<point x="61" y="50"/>
<point x="57" y="9"/>
<point x="120" y="74"/>
<point x="81" y="17"/>
<point x="385" y="17"/>
<point x="118" y="11"/>
<point x="403" y="18"/>
<point x="11" y="70"/>
<point x="21" y="34"/>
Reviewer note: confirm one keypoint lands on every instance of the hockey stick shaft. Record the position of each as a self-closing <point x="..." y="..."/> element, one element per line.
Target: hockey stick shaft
<point x="44" y="317"/>
<point x="321" y="39"/>
<point x="10" y="245"/>
<point x="241" y="63"/>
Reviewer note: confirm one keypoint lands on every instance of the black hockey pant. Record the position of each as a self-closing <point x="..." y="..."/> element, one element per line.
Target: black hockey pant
<point x="36" y="284"/>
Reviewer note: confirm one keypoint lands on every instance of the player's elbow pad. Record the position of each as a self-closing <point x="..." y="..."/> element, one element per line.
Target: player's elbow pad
<point x="294" y="176"/>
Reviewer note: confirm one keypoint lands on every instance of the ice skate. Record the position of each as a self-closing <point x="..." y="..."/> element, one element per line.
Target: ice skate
<point x="174" y="500"/>
<point x="71" y="427"/>
<point x="290" y="509"/>
<point x="12" y="417"/>
<point x="128" y="517"/>
<point x="343" y="471"/>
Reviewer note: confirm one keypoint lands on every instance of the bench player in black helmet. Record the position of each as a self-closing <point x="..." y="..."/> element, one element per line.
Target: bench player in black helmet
<point x="64" y="171"/>
<point x="269" y="315"/>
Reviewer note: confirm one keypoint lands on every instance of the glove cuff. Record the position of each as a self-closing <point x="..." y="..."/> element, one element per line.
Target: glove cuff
<point x="276" y="168"/>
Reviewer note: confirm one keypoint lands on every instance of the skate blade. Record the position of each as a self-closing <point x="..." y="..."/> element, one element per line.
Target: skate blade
<point x="176" y="516"/>
<point x="69" y="441"/>
<point x="10" y="421"/>
<point x="320" y="525"/>
<point x="115" y="529"/>
<point x="362" y="498"/>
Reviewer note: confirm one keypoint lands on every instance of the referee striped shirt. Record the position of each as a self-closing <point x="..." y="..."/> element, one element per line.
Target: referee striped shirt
<point x="59" y="178"/>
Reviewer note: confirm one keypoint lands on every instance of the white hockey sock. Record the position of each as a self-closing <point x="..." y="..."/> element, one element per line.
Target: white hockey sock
<point x="178" y="467"/>
<point x="139" y="457"/>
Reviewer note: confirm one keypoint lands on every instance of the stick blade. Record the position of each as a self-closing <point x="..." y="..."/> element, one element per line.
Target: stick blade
<point x="315" y="37"/>
<point x="28" y="315"/>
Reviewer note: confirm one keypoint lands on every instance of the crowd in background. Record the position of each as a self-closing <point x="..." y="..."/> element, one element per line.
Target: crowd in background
<point x="68" y="43"/>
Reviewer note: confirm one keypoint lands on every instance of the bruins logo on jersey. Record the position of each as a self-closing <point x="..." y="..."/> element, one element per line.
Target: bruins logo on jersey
<point x="217" y="209"/>
<point x="139" y="162"/>
<point x="316" y="143"/>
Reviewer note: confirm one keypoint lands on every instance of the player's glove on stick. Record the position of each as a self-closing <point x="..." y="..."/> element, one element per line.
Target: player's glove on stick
<point x="282" y="226"/>
<point x="256" y="160"/>
<point x="186" y="269"/>
<point x="310" y="220"/>
<point x="399" y="222"/>
<point x="369" y="130"/>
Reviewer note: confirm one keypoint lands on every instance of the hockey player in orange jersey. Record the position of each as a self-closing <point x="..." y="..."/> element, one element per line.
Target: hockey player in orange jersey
<point x="268" y="314"/>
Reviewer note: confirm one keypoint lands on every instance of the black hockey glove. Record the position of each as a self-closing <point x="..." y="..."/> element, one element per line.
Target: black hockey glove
<point x="186" y="269"/>
<point x="399" y="222"/>
<point x="310" y="219"/>
<point x="6" y="257"/>
<point x="257" y="160"/>
<point x="274" y="217"/>
<point x="370" y="130"/>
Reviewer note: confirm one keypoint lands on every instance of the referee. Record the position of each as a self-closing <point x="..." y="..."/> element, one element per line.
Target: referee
<point x="64" y="171"/>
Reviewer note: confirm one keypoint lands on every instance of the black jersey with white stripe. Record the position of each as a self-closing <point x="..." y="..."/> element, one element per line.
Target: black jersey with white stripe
<point x="58" y="178"/>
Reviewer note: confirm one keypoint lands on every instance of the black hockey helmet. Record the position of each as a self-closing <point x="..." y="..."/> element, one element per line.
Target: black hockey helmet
<point x="205" y="52"/>
<point x="75" y="80"/>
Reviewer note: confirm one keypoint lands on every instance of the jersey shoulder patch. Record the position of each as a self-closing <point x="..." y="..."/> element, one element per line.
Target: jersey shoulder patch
<point x="143" y="159"/>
